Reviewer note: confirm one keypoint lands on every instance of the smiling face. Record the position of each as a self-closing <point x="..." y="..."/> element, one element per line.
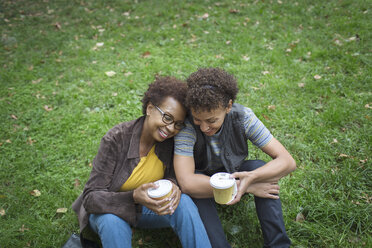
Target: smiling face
<point x="210" y="122"/>
<point x="154" y="125"/>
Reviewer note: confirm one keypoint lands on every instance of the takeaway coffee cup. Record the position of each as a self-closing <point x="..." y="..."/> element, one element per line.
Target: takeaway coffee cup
<point x="163" y="191"/>
<point x="224" y="187"/>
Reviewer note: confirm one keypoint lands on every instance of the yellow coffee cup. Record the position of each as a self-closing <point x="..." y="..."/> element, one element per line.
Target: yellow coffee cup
<point x="163" y="190"/>
<point x="224" y="187"/>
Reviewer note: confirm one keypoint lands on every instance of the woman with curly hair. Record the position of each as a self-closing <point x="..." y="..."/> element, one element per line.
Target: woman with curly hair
<point x="215" y="140"/>
<point x="131" y="157"/>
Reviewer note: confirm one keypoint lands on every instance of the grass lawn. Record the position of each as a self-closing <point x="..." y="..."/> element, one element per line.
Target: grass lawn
<point x="71" y="70"/>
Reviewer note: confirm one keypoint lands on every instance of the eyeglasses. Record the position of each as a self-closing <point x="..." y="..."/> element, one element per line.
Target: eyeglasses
<point x="168" y="119"/>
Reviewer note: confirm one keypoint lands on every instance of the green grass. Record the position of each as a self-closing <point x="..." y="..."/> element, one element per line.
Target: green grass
<point x="49" y="57"/>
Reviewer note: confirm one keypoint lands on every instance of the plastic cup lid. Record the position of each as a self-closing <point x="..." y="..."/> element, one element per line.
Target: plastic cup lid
<point x="164" y="187"/>
<point x="221" y="181"/>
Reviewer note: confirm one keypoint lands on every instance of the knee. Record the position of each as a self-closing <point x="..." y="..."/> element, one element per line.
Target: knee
<point x="186" y="204"/>
<point x="108" y="221"/>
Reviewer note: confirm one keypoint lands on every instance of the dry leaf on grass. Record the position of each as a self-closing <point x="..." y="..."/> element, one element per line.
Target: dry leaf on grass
<point x="23" y="228"/>
<point x="35" y="193"/>
<point x="61" y="210"/>
<point x="316" y="77"/>
<point x="2" y="212"/>
<point x="205" y="16"/>
<point x="110" y="73"/>
<point x="146" y="54"/>
<point x="300" y="217"/>
<point x="77" y="183"/>
<point x="37" y="81"/>
<point x="47" y="108"/>
<point x="128" y="74"/>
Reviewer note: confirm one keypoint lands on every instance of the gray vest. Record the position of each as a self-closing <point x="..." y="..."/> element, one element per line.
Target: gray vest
<point x="234" y="147"/>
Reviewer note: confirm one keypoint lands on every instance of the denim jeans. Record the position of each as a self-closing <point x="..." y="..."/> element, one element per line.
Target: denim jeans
<point x="185" y="221"/>
<point x="269" y="213"/>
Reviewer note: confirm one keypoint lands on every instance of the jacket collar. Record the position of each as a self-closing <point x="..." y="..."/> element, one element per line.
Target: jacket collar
<point x="135" y="138"/>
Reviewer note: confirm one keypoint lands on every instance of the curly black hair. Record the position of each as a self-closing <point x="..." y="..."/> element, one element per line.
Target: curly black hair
<point x="164" y="87"/>
<point x="210" y="88"/>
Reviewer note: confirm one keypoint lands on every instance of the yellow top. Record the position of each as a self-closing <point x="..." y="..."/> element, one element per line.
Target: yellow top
<point x="149" y="169"/>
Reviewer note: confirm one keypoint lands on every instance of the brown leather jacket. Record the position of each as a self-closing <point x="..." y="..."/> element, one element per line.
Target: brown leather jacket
<point x="117" y="156"/>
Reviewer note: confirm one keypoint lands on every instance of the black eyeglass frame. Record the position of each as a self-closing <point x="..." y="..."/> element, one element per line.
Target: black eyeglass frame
<point x="177" y="125"/>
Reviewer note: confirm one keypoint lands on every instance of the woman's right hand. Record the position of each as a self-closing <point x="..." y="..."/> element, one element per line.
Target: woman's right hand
<point x="140" y="196"/>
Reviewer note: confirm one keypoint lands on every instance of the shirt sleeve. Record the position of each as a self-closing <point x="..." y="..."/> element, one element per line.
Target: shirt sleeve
<point x="185" y="140"/>
<point x="255" y="130"/>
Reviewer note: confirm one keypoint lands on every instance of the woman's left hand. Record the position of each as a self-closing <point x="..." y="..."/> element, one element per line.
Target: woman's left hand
<point x="174" y="200"/>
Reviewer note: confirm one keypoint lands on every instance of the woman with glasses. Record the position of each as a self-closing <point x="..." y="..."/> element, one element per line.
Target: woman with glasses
<point x="133" y="155"/>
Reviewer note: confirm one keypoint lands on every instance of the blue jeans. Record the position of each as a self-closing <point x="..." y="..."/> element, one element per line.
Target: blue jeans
<point x="185" y="221"/>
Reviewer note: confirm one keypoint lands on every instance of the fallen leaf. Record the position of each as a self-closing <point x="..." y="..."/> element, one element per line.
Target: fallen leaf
<point x="47" y="108"/>
<point x="30" y="141"/>
<point x="246" y="58"/>
<point x="271" y="107"/>
<point x="114" y="94"/>
<point x="146" y="54"/>
<point x="300" y="217"/>
<point x="265" y="72"/>
<point x="110" y="73"/>
<point x="334" y="141"/>
<point x="23" y="228"/>
<point x="61" y="210"/>
<point x="128" y="74"/>
<point x="100" y="44"/>
<point x="2" y="212"/>
<point x="8" y="141"/>
<point x="316" y="77"/>
<point x="363" y="161"/>
<point x="77" y="183"/>
<point x="338" y="42"/>
<point x="35" y="193"/>
<point x="266" y="117"/>
<point x="57" y="25"/>
<point x="31" y="67"/>
<point x="205" y="16"/>
<point x="234" y="11"/>
<point x="368" y="105"/>
<point x="301" y="85"/>
<point x="343" y="155"/>
<point x="14" y="117"/>
<point x="37" y="81"/>
<point x="228" y="42"/>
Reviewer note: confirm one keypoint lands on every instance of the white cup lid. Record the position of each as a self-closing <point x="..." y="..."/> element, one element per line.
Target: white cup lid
<point x="165" y="186"/>
<point x="221" y="180"/>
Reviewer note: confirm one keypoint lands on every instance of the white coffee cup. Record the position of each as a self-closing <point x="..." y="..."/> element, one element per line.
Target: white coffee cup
<point x="163" y="190"/>
<point x="224" y="187"/>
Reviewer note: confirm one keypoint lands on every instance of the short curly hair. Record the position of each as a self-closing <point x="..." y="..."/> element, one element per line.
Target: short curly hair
<point x="210" y="88"/>
<point x="162" y="88"/>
